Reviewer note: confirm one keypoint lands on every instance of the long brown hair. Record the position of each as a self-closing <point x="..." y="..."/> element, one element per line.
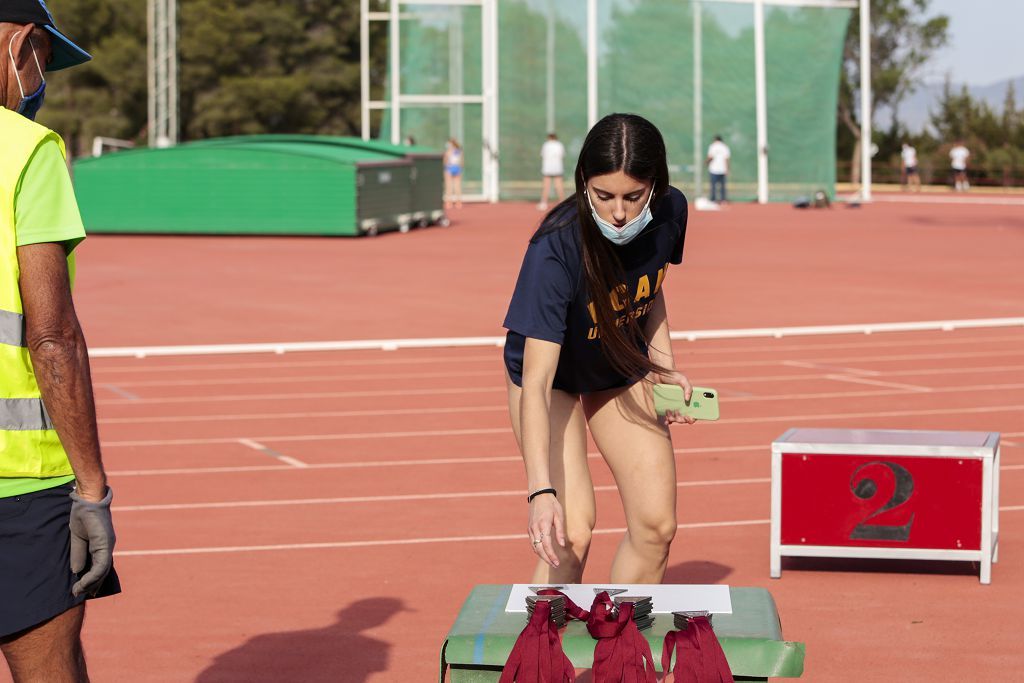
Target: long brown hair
<point x="633" y="145"/>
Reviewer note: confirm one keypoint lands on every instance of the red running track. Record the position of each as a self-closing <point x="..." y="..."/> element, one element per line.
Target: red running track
<point x="320" y="516"/>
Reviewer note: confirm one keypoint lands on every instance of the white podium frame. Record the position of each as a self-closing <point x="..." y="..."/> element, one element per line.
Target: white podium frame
<point x="893" y="443"/>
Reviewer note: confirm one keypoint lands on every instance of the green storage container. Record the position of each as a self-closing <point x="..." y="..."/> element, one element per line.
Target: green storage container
<point x="428" y="167"/>
<point x="281" y="187"/>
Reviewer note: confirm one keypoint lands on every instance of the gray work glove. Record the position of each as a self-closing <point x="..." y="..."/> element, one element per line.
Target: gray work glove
<point x="92" y="535"/>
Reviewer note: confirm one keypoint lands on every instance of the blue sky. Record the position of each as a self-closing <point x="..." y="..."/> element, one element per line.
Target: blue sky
<point x="985" y="41"/>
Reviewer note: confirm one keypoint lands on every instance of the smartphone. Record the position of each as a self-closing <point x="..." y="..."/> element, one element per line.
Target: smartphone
<point x="703" y="403"/>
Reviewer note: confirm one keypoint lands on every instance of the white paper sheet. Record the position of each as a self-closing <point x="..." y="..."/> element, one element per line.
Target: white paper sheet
<point x="667" y="598"/>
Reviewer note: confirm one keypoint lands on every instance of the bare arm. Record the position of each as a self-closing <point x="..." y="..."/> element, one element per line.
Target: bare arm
<point x="61" y="362"/>
<point x="659" y="344"/>
<point x="659" y="349"/>
<point x="540" y="360"/>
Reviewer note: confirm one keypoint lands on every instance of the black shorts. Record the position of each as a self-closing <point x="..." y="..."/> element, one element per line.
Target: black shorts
<point x="35" y="563"/>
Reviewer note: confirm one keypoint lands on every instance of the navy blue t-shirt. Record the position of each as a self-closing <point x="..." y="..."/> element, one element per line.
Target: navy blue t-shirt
<point x="551" y="301"/>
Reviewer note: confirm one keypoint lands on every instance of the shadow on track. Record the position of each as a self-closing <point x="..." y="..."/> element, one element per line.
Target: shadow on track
<point x="339" y="652"/>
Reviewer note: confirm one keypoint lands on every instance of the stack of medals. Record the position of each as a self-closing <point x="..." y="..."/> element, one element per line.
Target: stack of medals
<point x="682" y="619"/>
<point x="643" y="609"/>
<point x="557" y="602"/>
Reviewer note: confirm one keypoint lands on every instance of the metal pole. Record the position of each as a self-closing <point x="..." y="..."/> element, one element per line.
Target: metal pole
<point x="865" y="100"/>
<point x="364" y="68"/>
<point x="396" y="73"/>
<point x="456" y="73"/>
<point x="161" y="73"/>
<point x="172" y="76"/>
<point x="151" y="69"/>
<point x="551" y="67"/>
<point x="698" y="100"/>
<point x="591" y="63"/>
<point x="762" y="104"/>
<point x="493" y="142"/>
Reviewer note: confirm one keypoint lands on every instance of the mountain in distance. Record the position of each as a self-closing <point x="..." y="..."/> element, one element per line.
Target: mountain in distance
<point x="915" y="110"/>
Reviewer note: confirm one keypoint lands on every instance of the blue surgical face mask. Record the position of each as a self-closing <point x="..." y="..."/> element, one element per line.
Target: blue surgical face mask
<point x="630" y="230"/>
<point x="30" y="104"/>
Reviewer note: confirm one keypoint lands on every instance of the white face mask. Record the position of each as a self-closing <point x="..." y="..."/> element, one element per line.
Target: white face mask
<point x="630" y="230"/>
<point x="30" y="103"/>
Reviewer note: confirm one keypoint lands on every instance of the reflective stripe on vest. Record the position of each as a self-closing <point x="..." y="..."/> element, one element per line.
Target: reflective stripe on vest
<point x="20" y="414"/>
<point x="12" y="329"/>
<point x="29" y="445"/>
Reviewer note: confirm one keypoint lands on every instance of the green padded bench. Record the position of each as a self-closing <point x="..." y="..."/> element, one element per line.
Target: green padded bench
<point x="483" y="635"/>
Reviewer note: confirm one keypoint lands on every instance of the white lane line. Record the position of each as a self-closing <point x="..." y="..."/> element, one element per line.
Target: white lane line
<point x="120" y="392"/>
<point x="364" y="464"/>
<point x="878" y="383"/>
<point x="820" y="366"/>
<point x="423" y="541"/>
<point x="506" y="430"/>
<point x="398" y="542"/>
<point x="277" y="362"/>
<point x="222" y="417"/>
<point x="305" y="379"/>
<point x="396" y="498"/>
<point x="733" y="396"/>
<point x="496" y="372"/>
<point x="313" y="437"/>
<point x="294" y="462"/>
<point x="943" y="199"/>
<point x="235" y="398"/>
<point x="442" y="342"/>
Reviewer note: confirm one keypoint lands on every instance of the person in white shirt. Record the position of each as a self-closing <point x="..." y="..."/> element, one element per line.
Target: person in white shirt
<point x="552" y="168"/>
<point x="718" y="168"/>
<point x="958" y="160"/>
<point x="911" y="177"/>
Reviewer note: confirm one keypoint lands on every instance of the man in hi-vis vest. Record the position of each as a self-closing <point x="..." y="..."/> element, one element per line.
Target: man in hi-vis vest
<point x="56" y="537"/>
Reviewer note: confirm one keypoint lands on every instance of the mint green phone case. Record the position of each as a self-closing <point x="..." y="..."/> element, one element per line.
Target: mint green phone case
<point x="703" y="401"/>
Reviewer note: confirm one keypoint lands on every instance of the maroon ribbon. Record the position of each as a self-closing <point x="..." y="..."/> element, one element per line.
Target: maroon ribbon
<point x="622" y="655"/>
<point x="537" y="656"/>
<point x="699" y="655"/>
<point x="571" y="608"/>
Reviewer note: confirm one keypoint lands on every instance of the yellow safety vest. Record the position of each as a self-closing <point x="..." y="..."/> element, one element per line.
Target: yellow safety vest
<point x="29" y="446"/>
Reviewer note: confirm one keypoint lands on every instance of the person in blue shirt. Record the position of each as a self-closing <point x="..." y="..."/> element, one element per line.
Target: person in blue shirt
<point x="453" y="163"/>
<point x="587" y="337"/>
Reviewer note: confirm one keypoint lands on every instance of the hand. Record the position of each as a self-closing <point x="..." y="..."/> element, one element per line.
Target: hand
<point x="92" y="535"/>
<point x="546" y="514"/>
<point x="678" y="378"/>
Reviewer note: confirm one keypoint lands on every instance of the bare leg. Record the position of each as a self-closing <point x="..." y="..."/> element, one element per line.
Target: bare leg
<point x="457" y="180"/>
<point x="638" y="450"/>
<point x="559" y="188"/>
<point x="545" y="193"/>
<point x="570" y="476"/>
<point x="49" y="653"/>
<point x="447" y="190"/>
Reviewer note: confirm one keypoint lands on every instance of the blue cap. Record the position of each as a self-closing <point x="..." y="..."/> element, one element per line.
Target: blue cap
<point x="65" y="53"/>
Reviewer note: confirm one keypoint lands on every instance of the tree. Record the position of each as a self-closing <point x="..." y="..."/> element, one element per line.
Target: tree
<point x="106" y="96"/>
<point x="993" y="138"/>
<point x="245" y="66"/>
<point x="903" y="39"/>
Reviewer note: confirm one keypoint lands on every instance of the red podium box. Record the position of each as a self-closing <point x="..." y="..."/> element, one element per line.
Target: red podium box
<point x="892" y="494"/>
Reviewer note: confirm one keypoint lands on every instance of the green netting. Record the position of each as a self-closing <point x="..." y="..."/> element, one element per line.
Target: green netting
<point x="646" y="57"/>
